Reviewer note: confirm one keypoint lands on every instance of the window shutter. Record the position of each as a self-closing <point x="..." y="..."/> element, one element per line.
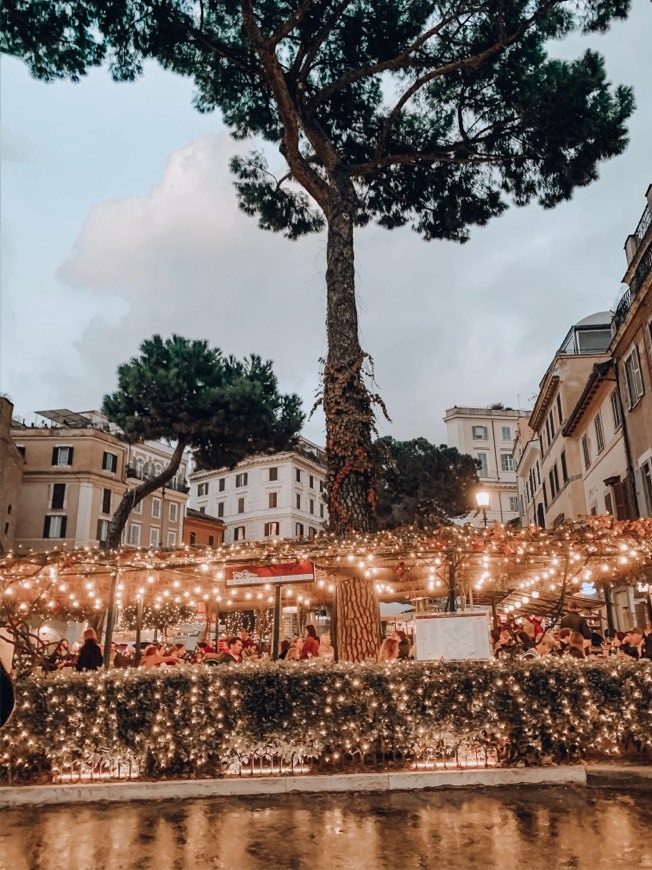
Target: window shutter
<point x="71" y="450"/>
<point x="55" y="455"/>
<point x="46" y="528"/>
<point x="64" y="520"/>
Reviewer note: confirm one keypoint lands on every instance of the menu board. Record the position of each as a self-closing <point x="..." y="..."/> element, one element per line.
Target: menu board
<point x="452" y="636"/>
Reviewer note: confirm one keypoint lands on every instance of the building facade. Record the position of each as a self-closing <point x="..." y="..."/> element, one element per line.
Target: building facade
<point x="202" y="530"/>
<point x="487" y="434"/>
<point x="76" y="471"/>
<point x="631" y="350"/>
<point x="561" y="464"/>
<point x="266" y="496"/>
<point x="11" y="477"/>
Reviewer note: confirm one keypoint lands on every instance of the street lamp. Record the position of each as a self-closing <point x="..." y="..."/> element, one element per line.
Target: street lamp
<point x="482" y="501"/>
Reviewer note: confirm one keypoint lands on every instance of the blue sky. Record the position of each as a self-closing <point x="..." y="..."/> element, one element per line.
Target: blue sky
<point x="119" y="220"/>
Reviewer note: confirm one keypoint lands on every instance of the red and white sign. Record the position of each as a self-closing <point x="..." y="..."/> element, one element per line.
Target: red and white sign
<point x="258" y="575"/>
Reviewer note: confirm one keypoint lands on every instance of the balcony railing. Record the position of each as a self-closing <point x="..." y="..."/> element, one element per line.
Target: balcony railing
<point x="175" y="485"/>
<point x="643" y="224"/>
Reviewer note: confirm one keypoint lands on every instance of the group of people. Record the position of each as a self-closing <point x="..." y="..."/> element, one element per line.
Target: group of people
<point x="573" y="637"/>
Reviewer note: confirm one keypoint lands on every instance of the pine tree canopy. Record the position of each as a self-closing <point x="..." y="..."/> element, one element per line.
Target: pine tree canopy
<point x="225" y="409"/>
<point x="423" y="484"/>
<point x="438" y="113"/>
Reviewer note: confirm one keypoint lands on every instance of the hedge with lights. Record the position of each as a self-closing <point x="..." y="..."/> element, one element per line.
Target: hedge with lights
<point x="200" y="721"/>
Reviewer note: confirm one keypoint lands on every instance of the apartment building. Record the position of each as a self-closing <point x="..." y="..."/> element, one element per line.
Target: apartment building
<point x="487" y="434"/>
<point x="76" y="470"/>
<point x="266" y="496"/>
<point x="631" y="350"/>
<point x="527" y="462"/>
<point x="11" y="477"/>
<point x="562" y="473"/>
<point x="202" y="530"/>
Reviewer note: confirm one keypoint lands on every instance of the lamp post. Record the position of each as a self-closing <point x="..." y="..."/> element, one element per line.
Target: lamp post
<point x="482" y="501"/>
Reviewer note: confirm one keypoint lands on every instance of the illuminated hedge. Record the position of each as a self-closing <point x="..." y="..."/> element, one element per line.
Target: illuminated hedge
<point x="200" y="721"/>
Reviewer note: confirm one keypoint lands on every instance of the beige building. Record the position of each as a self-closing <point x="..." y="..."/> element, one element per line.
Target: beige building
<point x="561" y="464"/>
<point x="631" y="350"/>
<point x="76" y="471"/>
<point x="487" y="434"/>
<point x="11" y="477"/>
<point x="595" y="424"/>
<point x="527" y="462"/>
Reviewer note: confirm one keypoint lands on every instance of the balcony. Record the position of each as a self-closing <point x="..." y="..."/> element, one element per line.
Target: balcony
<point x="133" y="473"/>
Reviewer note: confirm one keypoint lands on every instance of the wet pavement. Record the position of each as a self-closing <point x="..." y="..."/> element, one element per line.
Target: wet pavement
<point x="506" y="828"/>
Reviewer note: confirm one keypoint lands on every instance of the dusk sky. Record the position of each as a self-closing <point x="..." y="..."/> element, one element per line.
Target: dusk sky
<point x="119" y="220"/>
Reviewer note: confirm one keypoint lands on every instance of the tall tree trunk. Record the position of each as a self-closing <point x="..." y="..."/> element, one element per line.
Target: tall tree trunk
<point x="357" y="620"/>
<point x="347" y="402"/>
<point x="349" y="427"/>
<point x="133" y="496"/>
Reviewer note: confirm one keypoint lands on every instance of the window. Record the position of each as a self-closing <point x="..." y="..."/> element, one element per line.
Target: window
<point x="586" y="450"/>
<point x="106" y="501"/>
<point x="559" y="414"/>
<point x="211" y="540"/>
<point x="173" y="511"/>
<point x="555" y="476"/>
<point x="57" y="501"/>
<point x="551" y="480"/>
<point x="483" y="464"/>
<point x="272" y="499"/>
<point x="608" y="504"/>
<point x="133" y="536"/>
<point x="241" y="505"/>
<point x="311" y="532"/>
<point x="202" y="489"/>
<point x="271" y="529"/>
<point x="564" y="467"/>
<point x="545" y="496"/>
<point x="298" y="502"/>
<point x="193" y="539"/>
<point x="102" y="530"/>
<point x="298" y="475"/>
<point x="506" y="433"/>
<point x="646" y="476"/>
<point x="311" y="482"/>
<point x="138" y="508"/>
<point x="202" y="509"/>
<point x="239" y="533"/>
<point x="322" y="486"/>
<point x="241" y="479"/>
<point x="311" y="506"/>
<point x="21" y="449"/>
<point x="109" y="462"/>
<point x="633" y="378"/>
<point x="321" y="511"/>
<point x="538" y="471"/>
<point x="172" y="539"/>
<point x="599" y="434"/>
<point x="62" y="455"/>
<point x="154" y="537"/>
<point x="615" y="410"/>
<point x="513" y="503"/>
<point x="298" y="530"/>
<point x="221" y="485"/>
<point x="273" y="473"/>
<point x="480" y="433"/>
<point x="506" y="462"/>
<point x="220" y="508"/>
<point x="54" y="527"/>
<point x="156" y="508"/>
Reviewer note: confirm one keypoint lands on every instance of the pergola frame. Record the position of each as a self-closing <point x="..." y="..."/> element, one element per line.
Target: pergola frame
<point x="496" y="567"/>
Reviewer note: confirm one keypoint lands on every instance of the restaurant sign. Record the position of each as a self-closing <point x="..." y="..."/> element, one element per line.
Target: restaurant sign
<point x="259" y="575"/>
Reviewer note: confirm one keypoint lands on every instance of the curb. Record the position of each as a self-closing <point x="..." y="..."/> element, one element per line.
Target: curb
<point x="620" y="776"/>
<point x="360" y="782"/>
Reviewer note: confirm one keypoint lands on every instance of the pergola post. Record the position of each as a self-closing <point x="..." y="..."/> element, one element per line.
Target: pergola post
<point x="276" y="635"/>
<point x="110" y="617"/>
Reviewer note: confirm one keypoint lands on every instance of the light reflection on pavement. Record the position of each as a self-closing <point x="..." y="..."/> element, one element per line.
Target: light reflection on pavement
<point x="506" y="828"/>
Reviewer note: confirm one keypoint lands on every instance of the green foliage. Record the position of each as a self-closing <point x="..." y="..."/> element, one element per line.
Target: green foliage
<point x="440" y="112"/>
<point x="169" y="614"/>
<point x="423" y="484"/>
<point x="513" y="712"/>
<point x="223" y="408"/>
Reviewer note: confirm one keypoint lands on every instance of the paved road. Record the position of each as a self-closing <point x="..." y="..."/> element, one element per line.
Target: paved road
<point x="511" y="829"/>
